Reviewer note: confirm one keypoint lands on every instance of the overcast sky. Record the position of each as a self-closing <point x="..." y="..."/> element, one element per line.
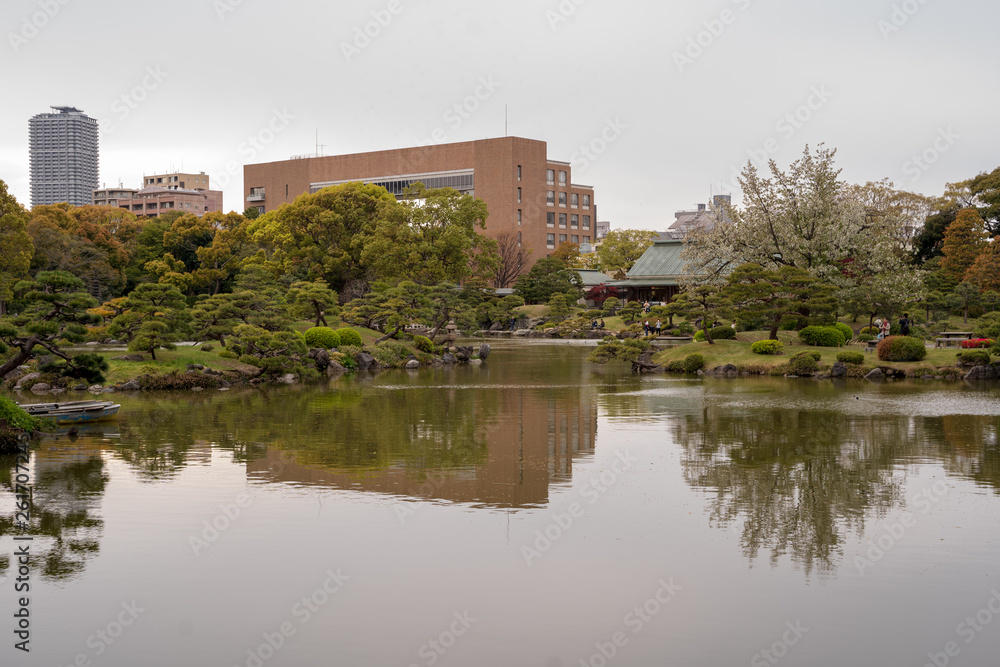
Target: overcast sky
<point x="671" y="98"/>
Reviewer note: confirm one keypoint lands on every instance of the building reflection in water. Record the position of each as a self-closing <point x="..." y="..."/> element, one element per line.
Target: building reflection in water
<point x="505" y="449"/>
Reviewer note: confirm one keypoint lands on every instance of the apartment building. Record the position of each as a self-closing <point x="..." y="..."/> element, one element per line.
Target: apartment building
<point x="63" y="157"/>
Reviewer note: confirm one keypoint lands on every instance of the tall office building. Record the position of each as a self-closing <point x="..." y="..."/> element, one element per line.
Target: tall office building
<point x="63" y="154"/>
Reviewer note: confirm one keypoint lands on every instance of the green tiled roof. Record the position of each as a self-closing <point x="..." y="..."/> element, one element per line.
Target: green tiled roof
<point x="593" y="277"/>
<point x="661" y="261"/>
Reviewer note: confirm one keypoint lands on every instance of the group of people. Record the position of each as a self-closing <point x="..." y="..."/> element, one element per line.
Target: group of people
<point x="647" y="327"/>
<point x="594" y="324"/>
<point x="884" y="326"/>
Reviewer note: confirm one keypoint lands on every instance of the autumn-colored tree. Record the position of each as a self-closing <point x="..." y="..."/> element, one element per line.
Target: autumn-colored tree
<point x="963" y="241"/>
<point x="985" y="270"/>
<point x="16" y="248"/>
<point x="568" y="253"/>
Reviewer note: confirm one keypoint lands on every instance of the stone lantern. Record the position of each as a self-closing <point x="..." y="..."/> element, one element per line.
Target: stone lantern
<point x="451" y="333"/>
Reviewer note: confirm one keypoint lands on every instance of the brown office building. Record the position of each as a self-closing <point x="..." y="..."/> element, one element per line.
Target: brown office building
<point x="525" y="192"/>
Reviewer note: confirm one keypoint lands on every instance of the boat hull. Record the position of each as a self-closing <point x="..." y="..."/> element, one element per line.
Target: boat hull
<point x="74" y="412"/>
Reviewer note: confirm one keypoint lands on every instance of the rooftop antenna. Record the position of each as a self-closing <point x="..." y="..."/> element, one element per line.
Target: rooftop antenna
<point x="319" y="145"/>
<point x="505" y="121"/>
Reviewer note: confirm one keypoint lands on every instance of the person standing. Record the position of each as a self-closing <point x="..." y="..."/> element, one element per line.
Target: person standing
<point x="645" y="328"/>
<point x="904" y="325"/>
<point x="885" y="327"/>
<point x="659" y="327"/>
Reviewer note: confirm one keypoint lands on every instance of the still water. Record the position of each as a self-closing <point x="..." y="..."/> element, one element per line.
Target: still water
<point x="535" y="510"/>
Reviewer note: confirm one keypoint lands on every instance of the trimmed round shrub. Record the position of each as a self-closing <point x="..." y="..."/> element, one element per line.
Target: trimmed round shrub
<point x="767" y="347"/>
<point x="693" y="363"/>
<point x="974" y="358"/>
<point x="822" y="336"/>
<point x="855" y="358"/>
<point x="349" y="337"/>
<point x="324" y="337"/>
<point x="900" y="348"/>
<point x="975" y="343"/>
<point x="722" y="333"/>
<point x="676" y="366"/>
<point x="699" y="336"/>
<point x="207" y="348"/>
<point x="869" y="331"/>
<point x="424" y="344"/>
<point x="228" y="354"/>
<point x="844" y="329"/>
<point x="864" y="338"/>
<point x="804" y="363"/>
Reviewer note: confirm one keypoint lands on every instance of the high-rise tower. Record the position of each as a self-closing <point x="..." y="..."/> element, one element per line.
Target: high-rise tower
<point x="63" y="154"/>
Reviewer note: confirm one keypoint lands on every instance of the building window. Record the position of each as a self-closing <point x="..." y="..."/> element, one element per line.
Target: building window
<point x="586" y="222"/>
<point x="550" y="240"/>
<point x="550" y="219"/>
<point x="550" y="197"/>
<point x="562" y="238"/>
<point x="562" y="178"/>
<point x="586" y="239"/>
<point x="518" y="216"/>
<point x="550" y="176"/>
<point x="562" y="220"/>
<point x="574" y="221"/>
<point x="574" y="200"/>
<point x="519" y="238"/>
<point x="519" y="195"/>
<point x="562" y="198"/>
<point x="575" y="239"/>
<point x="586" y="201"/>
<point x="518" y="172"/>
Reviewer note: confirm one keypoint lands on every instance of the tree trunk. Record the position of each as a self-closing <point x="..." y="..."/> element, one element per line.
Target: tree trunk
<point x="390" y="334"/>
<point x="22" y="355"/>
<point x="152" y="353"/>
<point x="708" y="336"/>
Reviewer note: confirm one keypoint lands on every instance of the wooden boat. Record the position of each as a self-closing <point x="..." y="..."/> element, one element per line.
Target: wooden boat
<point x="73" y="412"/>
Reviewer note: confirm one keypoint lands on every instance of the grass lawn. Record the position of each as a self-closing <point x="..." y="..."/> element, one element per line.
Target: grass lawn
<point x="167" y="361"/>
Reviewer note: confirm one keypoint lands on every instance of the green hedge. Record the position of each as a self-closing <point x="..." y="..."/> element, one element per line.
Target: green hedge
<point x="901" y="348"/>
<point x="804" y="363"/>
<point x="722" y="333"/>
<point x="846" y="330"/>
<point x="974" y="358"/>
<point x="349" y="337"/>
<point x="424" y="344"/>
<point x="855" y="358"/>
<point x="324" y="337"/>
<point x="767" y="347"/>
<point x="822" y="336"/>
<point x="693" y="363"/>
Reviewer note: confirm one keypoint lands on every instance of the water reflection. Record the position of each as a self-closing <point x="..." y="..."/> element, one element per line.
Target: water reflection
<point x="798" y="480"/>
<point x="69" y="482"/>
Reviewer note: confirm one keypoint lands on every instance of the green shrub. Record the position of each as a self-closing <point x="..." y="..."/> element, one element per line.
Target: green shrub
<point x="207" y="347"/>
<point x="851" y="357"/>
<point x="844" y="329"/>
<point x="822" y="336"/>
<point x="804" y="363"/>
<point x="424" y="344"/>
<point x="869" y="331"/>
<point x="349" y="337"/>
<point x="87" y="366"/>
<point x="228" y="354"/>
<point x="767" y="347"/>
<point x="722" y="333"/>
<point x="390" y="353"/>
<point x="15" y="416"/>
<point x="974" y="358"/>
<point x="685" y="327"/>
<point x="693" y="363"/>
<point x="324" y="337"/>
<point x="676" y="366"/>
<point x="900" y="348"/>
<point x="178" y="380"/>
<point x="699" y="336"/>
<point x="864" y="337"/>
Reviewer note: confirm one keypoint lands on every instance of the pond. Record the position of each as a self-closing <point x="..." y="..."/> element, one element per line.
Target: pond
<point x="534" y="510"/>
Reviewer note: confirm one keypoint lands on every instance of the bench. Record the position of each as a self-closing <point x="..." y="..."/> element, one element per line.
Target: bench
<point x="948" y="337"/>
